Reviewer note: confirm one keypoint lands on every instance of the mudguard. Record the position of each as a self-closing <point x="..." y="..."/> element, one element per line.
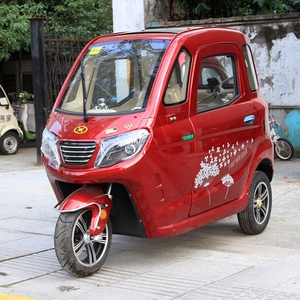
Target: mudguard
<point x="10" y="127"/>
<point x="91" y="197"/>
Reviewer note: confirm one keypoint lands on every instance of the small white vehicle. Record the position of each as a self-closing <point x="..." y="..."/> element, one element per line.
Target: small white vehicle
<point x="10" y="132"/>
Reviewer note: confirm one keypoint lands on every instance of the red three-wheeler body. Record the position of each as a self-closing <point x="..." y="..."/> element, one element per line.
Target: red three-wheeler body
<point x="156" y="133"/>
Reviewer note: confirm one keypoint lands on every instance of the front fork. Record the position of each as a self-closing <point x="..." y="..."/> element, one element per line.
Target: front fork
<point x="92" y="197"/>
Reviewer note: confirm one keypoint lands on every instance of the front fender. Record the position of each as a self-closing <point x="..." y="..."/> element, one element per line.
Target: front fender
<point x="10" y="127"/>
<point x="91" y="197"/>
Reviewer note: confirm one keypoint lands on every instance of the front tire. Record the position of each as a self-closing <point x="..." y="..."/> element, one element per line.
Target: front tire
<point x="9" y="143"/>
<point x="254" y="219"/>
<point x="284" y="149"/>
<point x="78" y="252"/>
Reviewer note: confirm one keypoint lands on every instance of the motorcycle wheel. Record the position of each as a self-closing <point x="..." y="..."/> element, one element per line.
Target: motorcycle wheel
<point x="284" y="149"/>
<point x="9" y="143"/>
<point x="78" y="252"/>
<point x="254" y="219"/>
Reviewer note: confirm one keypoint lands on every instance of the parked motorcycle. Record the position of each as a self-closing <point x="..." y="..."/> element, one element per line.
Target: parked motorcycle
<point x="24" y="110"/>
<point x="282" y="146"/>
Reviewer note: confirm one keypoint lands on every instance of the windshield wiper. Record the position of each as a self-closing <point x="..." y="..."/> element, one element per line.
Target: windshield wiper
<point x="85" y="118"/>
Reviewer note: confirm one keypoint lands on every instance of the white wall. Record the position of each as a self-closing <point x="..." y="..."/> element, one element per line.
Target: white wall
<point x="128" y="15"/>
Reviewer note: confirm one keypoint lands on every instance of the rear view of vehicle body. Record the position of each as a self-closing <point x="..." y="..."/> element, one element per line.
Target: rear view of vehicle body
<point x="156" y="133"/>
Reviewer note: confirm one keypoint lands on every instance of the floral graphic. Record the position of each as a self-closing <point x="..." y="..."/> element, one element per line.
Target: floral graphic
<point x="206" y="174"/>
<point x="228" y="181"/>
<point x="218" y="157"/>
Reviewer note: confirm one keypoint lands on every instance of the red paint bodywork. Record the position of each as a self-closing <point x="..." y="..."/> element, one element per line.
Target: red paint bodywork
<point x="159" y="181"/>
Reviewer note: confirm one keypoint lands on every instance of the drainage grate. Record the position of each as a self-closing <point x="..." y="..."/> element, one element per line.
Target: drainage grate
<point x="77" y="153"/>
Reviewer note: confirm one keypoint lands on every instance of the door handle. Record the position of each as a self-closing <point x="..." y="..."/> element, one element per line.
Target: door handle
<point x="172" y="118"/>
<point x="249" y="120"/>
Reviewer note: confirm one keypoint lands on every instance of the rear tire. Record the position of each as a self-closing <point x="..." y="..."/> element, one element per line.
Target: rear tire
<point x="284" y="149"/>
<point x="254" y="219"/>
<point x="79" y="253"/>
<point x="9" y="143"/>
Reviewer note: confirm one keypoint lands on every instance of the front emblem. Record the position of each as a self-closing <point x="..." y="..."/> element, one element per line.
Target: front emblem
<point x="111" y="130"/>
<point x="80" y="129"/>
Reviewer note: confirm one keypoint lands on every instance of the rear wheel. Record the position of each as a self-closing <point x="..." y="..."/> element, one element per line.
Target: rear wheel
<point x="80" y="253"/>
<point x="9" y="143"/>
<point x="254" y="219"/>
<point x="284" y="149"/>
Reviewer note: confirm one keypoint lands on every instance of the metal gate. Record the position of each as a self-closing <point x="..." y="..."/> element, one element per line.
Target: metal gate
<point x="61" y="53"/>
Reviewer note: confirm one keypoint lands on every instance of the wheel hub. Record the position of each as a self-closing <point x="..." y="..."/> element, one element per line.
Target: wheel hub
<point x="88" y="238"/>
<point x="259" y="203"/>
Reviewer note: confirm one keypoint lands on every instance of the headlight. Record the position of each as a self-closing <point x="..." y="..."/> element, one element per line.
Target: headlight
<point x="49" y="148"/>
<point x="5" y="118"/>
<point x="122" y="147"/>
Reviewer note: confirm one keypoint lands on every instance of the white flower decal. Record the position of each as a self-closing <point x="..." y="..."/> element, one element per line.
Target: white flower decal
<point x="228" y="181"/>
<point x="206" y="174"/>
<point x="217" y="158"/>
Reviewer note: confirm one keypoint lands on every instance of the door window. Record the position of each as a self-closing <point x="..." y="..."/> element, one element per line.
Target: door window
<point x="217" y="84"/>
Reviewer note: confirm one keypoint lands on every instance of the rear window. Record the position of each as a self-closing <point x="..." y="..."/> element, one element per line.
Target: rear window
<point x="251" y="74"/>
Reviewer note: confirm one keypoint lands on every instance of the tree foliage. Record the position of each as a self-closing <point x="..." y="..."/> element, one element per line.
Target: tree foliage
<point x="195" y="10"/>
<point x="74" y="18"/>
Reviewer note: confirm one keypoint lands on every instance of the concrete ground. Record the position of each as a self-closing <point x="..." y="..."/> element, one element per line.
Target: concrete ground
<point x="217" y="261"/>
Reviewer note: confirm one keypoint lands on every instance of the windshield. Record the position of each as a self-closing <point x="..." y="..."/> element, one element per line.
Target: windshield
<point x="114" y="77"/>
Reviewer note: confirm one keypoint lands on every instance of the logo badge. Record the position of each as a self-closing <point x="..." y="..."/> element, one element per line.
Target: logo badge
<point x="80" y="129"/>
<point x="111" y="130"/>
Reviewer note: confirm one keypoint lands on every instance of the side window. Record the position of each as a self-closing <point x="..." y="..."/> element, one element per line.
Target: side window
<point x="178" y="82"/>
<point x="217" y="84"/>
<point x="250" y="68"/>
<point x="3" y="100"/>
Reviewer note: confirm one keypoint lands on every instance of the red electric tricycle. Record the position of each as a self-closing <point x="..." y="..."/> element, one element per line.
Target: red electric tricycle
<point x="153" y="134"/>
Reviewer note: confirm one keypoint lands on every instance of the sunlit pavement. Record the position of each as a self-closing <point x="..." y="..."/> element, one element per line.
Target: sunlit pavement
<point x="14" y="297"/>
<point x="217" y="261"/>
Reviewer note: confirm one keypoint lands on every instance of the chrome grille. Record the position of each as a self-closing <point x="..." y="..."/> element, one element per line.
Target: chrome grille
<point x="77" y="153"/>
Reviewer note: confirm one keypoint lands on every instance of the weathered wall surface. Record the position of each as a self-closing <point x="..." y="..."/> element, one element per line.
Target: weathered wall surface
<point x="276" y="50"/>
<point x="156" y="11"/>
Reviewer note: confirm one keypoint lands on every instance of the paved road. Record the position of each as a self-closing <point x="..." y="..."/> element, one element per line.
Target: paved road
<point x="217" y="261"/>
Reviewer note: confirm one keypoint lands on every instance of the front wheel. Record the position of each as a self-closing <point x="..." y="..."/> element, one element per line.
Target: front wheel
<point x="284" y="149"/>
<point x="80" y="253"/>
<point x="9" y="143"/>
<point x="254" y="219"/>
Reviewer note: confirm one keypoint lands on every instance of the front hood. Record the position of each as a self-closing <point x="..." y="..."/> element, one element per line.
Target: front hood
<point x="73" y="128"/>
